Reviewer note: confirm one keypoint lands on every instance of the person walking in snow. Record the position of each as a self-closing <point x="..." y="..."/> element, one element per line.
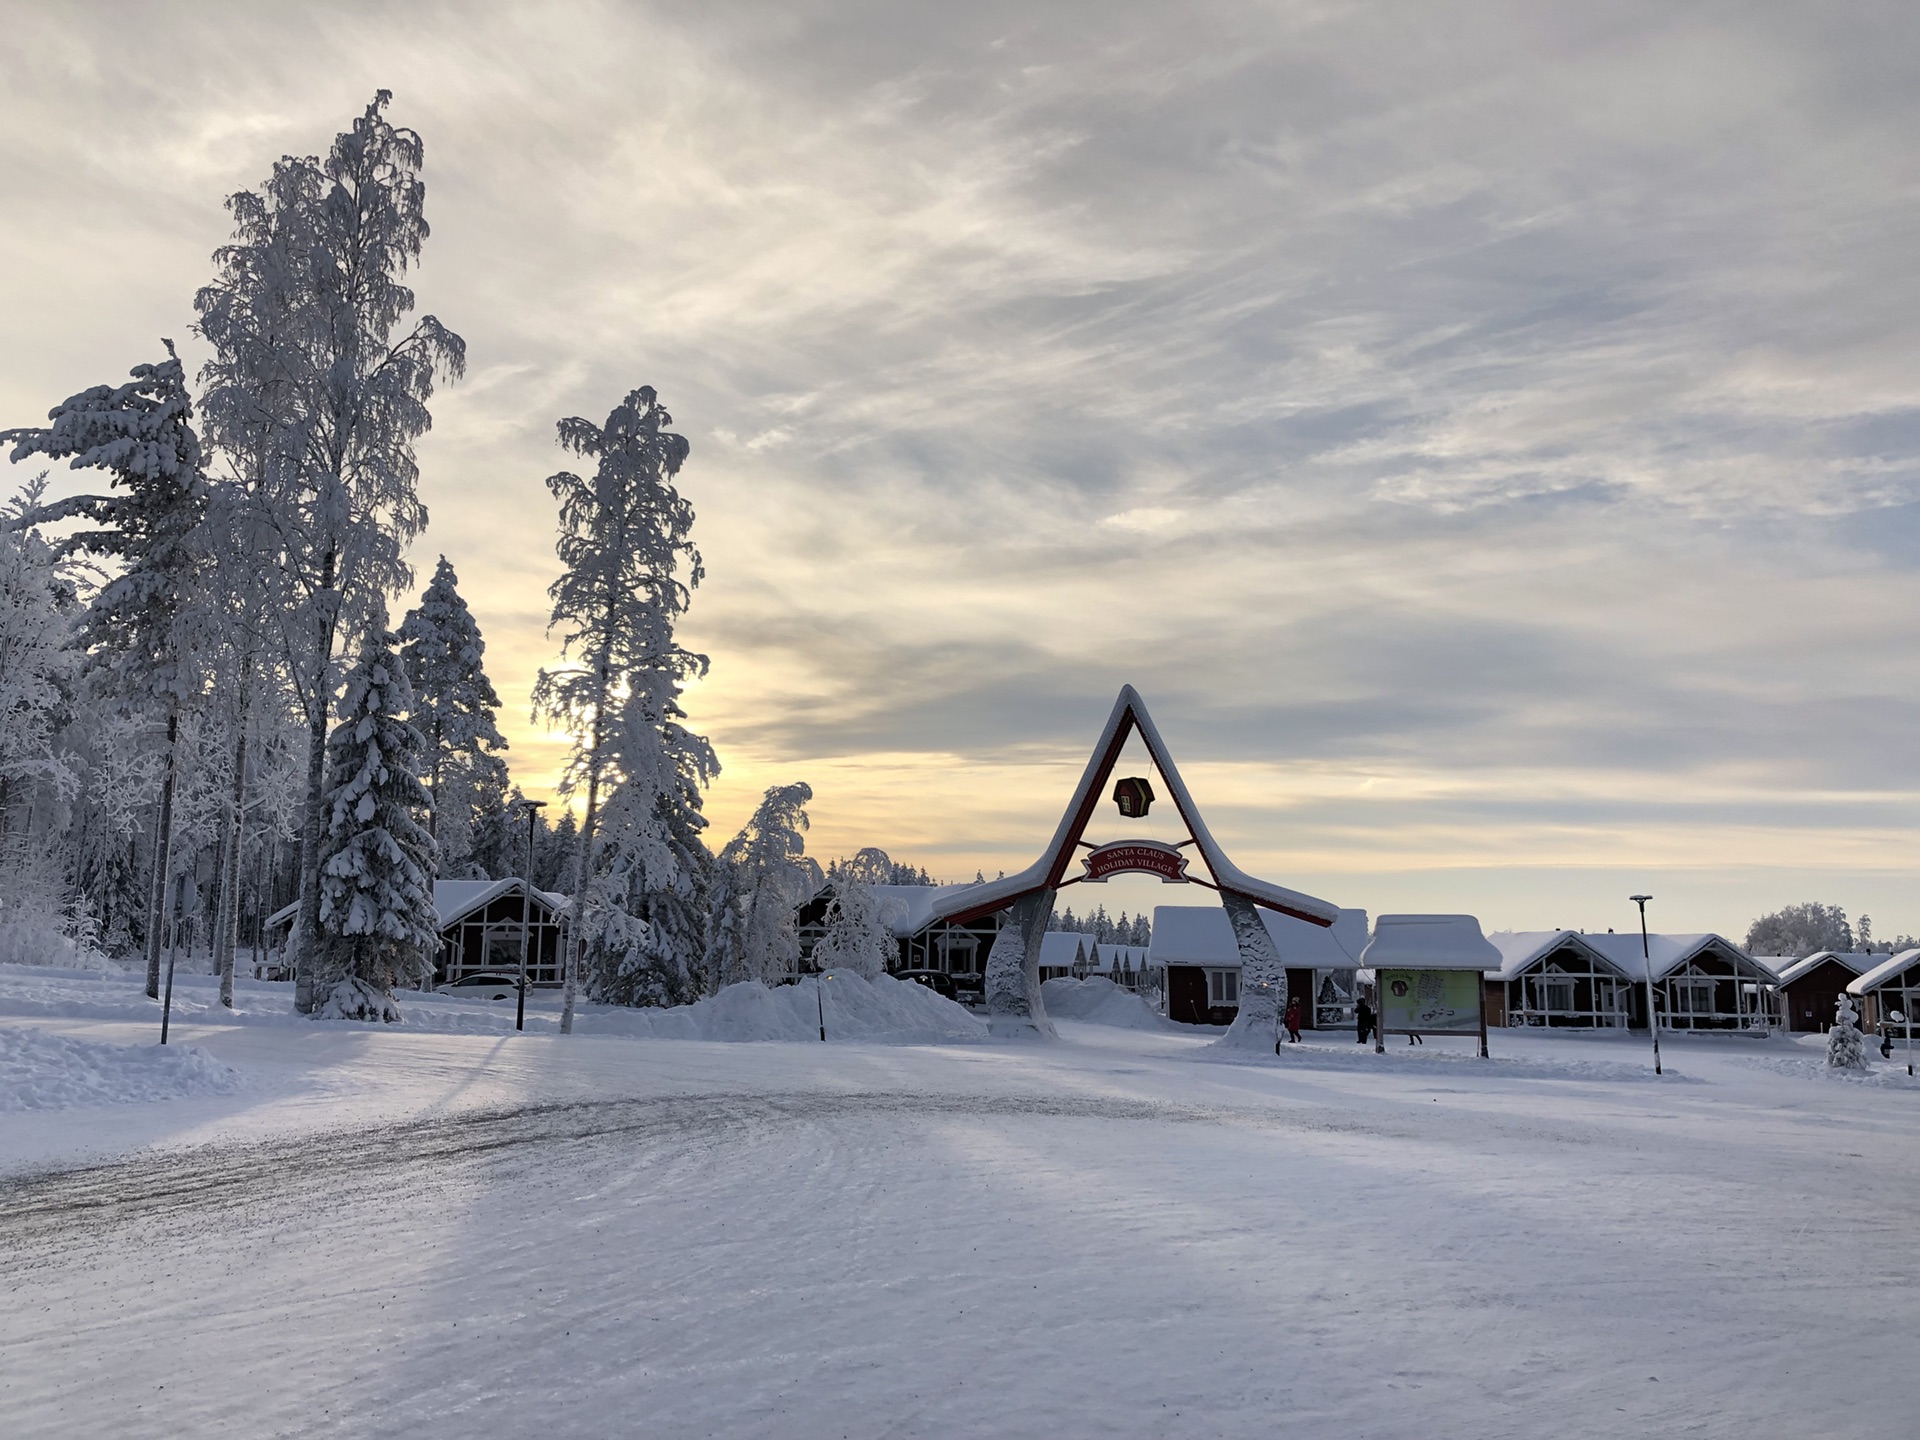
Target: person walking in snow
<point x="1293" y="1020"/>
<point x="1363" y="1020"/>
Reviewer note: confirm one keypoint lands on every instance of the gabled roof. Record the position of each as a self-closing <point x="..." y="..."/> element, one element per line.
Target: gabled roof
<point x="1669" y="952"/>
<point x="1889" y="969"/>
<point x="1046" y="873"/>
<point x="1521" y="950"/>
<point x="1202" y="935"/>
<point x="1852" y="963"/>
<point x="1063" y="949"/>
<point x="453" y="900"/>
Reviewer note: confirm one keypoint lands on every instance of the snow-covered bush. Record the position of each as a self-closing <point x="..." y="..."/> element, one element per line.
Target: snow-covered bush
<point x="1846" y="1048"/>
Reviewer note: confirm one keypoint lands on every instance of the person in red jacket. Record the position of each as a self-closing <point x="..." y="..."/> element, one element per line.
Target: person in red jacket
<point x="1293" y="1019"/>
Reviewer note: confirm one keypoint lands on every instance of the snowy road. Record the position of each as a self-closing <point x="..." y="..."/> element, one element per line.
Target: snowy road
<point x="1103" y="1237"/>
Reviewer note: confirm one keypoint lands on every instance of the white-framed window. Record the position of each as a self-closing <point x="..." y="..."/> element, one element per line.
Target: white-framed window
<point x="1223" y="987"/>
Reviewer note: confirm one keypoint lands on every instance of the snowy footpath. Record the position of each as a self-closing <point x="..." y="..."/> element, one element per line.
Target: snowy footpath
<point x="446" y="1229"/>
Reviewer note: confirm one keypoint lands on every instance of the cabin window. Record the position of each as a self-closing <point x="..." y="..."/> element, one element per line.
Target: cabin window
<point x="1223" y="987"/>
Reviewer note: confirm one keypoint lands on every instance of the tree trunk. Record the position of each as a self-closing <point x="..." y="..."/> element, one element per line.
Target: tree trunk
<point x="582" y="866"/>
<point x="227" y="915"/>
<point x="1263" y="979"/>
<point x="162" y="855"/>
<point x="1015" y="1010"/>
<point x="306" y="924"/>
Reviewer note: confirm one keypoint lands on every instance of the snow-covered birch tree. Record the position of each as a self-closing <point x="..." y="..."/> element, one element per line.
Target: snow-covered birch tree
<point x="37" y="619"/>
<point x="857" y="937"/>
<point x="454" y="708"/>
<point x="762" y="876"/>
<point x="629" y="570"/>
<point x="377" y="921"/>
<point x="316" y="396"/>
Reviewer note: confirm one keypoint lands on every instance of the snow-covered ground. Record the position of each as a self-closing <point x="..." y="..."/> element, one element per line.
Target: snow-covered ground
<point x="444" y="1229"/>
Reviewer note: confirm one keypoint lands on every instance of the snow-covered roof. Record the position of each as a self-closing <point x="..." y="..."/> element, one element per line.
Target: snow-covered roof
<point x="1520" y="950"/>
<point x="1852" y="962"/>
<point x="1108" y="956"/>
<point x="1201" y="935"/>
<point x="1669" y="952"/>
<point x="1051" y="866"/>
<point x="908" y="909"/>
<point x="1889" y="969"/>
<point x="1428" y="942"/>
<point x="1063" y="949"/>
<point x="453" y="900"/>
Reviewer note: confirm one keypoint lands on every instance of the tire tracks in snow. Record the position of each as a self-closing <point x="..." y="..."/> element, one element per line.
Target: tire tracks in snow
<point x="45" y="1209"/>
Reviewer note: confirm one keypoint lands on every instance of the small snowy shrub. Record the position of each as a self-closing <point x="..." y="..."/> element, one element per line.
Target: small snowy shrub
<point x="1846" y="1048"/>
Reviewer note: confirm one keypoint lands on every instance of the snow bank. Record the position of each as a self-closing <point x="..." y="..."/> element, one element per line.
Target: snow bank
<point x="40" y="1071"/>
<point x="881" y="1009"/>
<point x="1098" y="1001"/>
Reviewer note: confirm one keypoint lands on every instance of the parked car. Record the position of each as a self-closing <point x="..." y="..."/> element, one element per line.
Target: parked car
<point x="937" y="981"/>
<point x="483" y="987"/>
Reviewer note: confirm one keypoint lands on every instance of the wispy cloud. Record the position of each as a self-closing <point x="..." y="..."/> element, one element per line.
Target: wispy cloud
<point x="1470" y="401"/>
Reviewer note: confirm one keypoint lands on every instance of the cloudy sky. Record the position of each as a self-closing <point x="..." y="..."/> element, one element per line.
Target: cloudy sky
<point x="1488" y="434"/>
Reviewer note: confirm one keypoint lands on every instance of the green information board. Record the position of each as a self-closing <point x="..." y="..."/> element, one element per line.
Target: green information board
<point x="1434" y="1002"/>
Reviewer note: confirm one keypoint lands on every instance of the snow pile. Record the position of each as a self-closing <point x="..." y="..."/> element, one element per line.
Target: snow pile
<point x="880" y="1009"/>
<point x="1098" y="1001"/>
<point x="42" y="1071"/>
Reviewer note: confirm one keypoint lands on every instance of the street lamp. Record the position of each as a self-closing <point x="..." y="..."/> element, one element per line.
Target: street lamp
<point x="533" y="808"/>
<point x="1646" y="954"/>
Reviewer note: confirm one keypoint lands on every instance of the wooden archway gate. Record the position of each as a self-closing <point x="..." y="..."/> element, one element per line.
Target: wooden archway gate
<point x="1014" y="1006"/>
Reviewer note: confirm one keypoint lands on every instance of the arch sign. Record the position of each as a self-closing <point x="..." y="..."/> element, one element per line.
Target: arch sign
<point x="1013" y="977"/>
<point x="1135" y="857"/>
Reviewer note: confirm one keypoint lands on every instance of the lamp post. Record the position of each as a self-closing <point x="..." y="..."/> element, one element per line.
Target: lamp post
<point x="820" y="994"/>
<point x="533" y="808"/>
<point x="1646" y="954"/>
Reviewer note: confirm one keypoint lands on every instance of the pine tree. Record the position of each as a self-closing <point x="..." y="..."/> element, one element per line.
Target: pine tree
<point x="761" y="877"/>
<point x="317" y="403"/>
<point x="625" y="545"/>
<point x="1846" y="1047"/>
<point x="855" y="938"/>
<point x="454" y="708"/>
<point x="377" y="922"/>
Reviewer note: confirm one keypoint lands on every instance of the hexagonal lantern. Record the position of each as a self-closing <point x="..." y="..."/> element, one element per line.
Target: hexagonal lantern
<point x="1133" y="795"/>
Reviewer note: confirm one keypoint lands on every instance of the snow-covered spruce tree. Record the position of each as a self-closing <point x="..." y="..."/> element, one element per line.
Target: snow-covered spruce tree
<point x="624" y="544"/>
<point x="145" y="624"/>
<point x="454" y="708"/>
<point x="762" y="876"/>
<point x="644" y="940"/>
<point x="317" y="396"/>
<point x="856" y="936"/>
<point x="377" y="922"/>
<point x="1846" y="1047"/>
